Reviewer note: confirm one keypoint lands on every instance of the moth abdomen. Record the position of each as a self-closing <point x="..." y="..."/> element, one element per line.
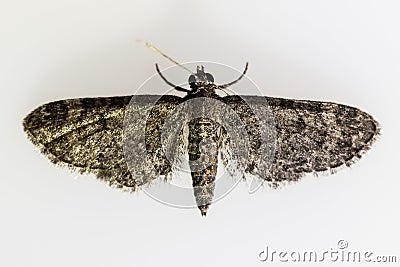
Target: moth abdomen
<point x="204" y="143"/>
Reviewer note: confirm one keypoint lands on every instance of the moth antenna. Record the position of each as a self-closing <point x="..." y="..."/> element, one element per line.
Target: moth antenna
<point x="238" y="79"/>
<point x="155" y="49"/>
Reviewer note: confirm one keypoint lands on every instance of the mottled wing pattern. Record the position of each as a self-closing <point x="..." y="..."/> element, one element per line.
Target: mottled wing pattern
<point x="313" y="137"/>
<point x="86" y="134"/>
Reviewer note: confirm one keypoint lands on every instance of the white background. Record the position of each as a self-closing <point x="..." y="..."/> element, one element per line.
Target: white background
<point x="341" y="51"/>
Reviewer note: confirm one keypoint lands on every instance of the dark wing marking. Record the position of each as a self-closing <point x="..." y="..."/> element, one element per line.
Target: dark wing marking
<point x="86" y="134"/>
<point x="312" y="136"/>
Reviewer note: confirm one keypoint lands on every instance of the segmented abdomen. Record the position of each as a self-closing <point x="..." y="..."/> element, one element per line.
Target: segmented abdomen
<point x="203" y="159"/>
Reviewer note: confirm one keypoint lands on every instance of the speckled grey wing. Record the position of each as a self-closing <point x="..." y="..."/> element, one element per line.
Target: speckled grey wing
<point x="86" y="134"/>
<point x="311" y="137"/>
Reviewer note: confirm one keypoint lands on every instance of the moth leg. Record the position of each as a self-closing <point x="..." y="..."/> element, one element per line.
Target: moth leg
<point x="222" y="86"/>
<point x="178" y="88"/>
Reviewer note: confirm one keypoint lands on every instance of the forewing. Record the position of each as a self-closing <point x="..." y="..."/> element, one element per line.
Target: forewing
<point x="86" y="134"/>
<point x="311" y="137"/>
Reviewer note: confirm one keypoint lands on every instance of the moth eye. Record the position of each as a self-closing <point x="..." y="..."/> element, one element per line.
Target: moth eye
<point x="209" y="77"/>
<point x="192" y="79"/>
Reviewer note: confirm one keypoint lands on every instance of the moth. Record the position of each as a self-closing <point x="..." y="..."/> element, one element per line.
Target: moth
<point x="91" y="135"/>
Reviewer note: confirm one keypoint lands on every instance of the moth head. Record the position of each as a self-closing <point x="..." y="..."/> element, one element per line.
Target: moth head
<point x="200" y="77"/>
